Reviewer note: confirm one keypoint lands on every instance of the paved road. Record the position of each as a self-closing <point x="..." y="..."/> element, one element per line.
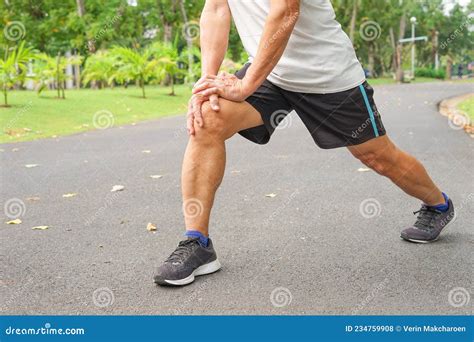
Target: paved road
<point x="309" y="244"/>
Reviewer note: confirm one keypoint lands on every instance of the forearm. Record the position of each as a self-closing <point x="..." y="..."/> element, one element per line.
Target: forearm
<point x="278" y="29"/>
<point x="215" y="28"/>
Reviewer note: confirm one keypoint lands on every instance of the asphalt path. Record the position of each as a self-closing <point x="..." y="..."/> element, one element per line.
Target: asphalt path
<point x="327" y="243"/>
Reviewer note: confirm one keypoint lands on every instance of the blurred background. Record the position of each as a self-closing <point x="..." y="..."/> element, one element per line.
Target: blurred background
<point x="137" y="58"/>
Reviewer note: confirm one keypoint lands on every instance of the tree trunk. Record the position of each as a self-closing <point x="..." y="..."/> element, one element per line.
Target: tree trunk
<point x="189" y="42"/>
<point x="449" y="67"/>
<point x="172" y="86"/>
<point x="371" y="65"/>
<point x="353" y="21"/>
<point x="5" y="95"/>
<point x="142" y="84"/>
<point x="58" y="82"/>
<point x="77" y="74"/>
<point x="81" y="8"/>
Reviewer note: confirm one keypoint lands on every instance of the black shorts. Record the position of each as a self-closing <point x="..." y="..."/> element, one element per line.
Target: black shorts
<point x="334" y="120"/>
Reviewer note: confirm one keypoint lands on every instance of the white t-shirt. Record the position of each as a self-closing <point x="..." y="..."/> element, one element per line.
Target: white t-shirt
<point x="319" y="57"/>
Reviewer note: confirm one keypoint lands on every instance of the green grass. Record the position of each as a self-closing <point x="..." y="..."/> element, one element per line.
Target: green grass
<point x="32" y="117"/>
<point x="467" y="106"/>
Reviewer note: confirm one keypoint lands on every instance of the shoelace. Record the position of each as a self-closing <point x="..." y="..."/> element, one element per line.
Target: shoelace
<point x="425" y="217"/>
<point x="183" y="250"/>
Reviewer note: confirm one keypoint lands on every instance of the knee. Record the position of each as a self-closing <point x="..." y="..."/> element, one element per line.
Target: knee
<point x="379" y="163"/>
<point x="213" y="124"/>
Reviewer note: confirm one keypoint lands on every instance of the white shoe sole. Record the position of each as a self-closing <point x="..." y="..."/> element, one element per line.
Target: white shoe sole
<point x="208" y="268"/>
<point x="424" y="241"/>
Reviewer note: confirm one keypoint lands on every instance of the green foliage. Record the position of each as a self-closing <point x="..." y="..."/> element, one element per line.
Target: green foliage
<point x="431" y="73"/>
<point x="13" y="67"/>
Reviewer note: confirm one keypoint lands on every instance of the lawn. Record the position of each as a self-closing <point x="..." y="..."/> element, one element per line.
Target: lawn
<point x="467" y="106"/>
<point x="32" y="117"/>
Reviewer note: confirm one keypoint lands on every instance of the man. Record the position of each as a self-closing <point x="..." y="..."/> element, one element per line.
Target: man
<point x="300" y="59"/>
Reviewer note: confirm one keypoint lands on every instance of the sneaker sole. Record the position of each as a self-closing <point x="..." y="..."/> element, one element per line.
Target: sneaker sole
<point x="434" y="240"/>
<point x="208" y="268"/>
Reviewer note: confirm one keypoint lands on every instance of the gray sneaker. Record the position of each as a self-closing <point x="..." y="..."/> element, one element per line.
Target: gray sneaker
<point x="429" y="224"/>
<point x="189" y="260"/>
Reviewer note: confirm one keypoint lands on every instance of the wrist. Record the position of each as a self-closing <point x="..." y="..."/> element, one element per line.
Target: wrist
<point x="249" y="86"/>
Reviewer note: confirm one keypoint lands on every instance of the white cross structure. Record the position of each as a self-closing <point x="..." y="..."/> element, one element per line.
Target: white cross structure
<point x="413" y="41"/>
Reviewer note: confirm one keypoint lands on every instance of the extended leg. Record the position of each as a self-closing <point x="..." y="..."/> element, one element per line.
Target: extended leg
<point x="385" y="158"/>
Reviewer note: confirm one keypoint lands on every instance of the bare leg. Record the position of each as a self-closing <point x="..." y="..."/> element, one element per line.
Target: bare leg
<point x="409" y="174"/>
<point x="204" y="160"/>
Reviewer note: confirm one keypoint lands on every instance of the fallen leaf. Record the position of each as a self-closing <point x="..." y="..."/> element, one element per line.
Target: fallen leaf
<point x="15" y="149"/>
<point x="26" y="129"/>
<point x="150" y="227"/>
<point x="116" y="188"/>
<point x="40" y="228"/>
<point x="363" y="169"/>
<point x="146" y="151"/>
<point x="2" y="150"/>
<point x="270" y="195"/>
<point x="17" y="221"/>
<point x="32" y="199"/>
<point x="235" y="171"/>
<point x="29" y="166"/>
<point x="156" y="176"/>
<point x="134" y="123"/>
<point x="72" y="194"/>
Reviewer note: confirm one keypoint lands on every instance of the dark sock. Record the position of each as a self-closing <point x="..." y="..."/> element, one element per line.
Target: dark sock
<point x="442" y="207"/>
<point x="203" y="240"/>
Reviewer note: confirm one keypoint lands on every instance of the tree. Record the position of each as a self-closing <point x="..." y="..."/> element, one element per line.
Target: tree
<point x="13" y="67"/>
<point x="167" y="63"/>
<point x="99" y="68"/>
<point x="135" y="65"/>
<point x="51" y="71"/>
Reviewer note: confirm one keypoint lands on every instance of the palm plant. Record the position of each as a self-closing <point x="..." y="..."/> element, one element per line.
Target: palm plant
<point x="52" y="70"/>
<point x="99" y="68"/>
<point x="13" y="67"/>
<point x="167" y="59"/>
<point x="134" y="65"/>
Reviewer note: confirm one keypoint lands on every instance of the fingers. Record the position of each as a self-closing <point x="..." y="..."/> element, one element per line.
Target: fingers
<point x="210" y="91"/>
<point x="190" y="119"/>
<point x="197" y="102"/>
<point x="214" y="101"/>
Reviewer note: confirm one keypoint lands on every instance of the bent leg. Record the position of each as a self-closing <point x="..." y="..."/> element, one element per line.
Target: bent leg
<point x="409" y="174"/>
<point x="204" y="160"/>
